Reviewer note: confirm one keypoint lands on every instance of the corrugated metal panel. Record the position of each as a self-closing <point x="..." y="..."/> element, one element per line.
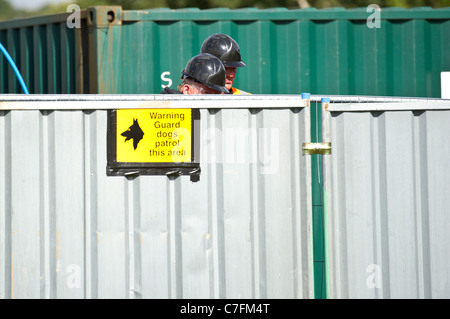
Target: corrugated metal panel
<point x="51" y="57"/>
<point x="328" y="51"/>
<point x="70" y="231"/>
<point x="386" y="200"/>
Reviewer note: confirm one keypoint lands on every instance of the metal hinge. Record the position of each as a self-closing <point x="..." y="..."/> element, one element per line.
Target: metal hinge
<point x="323" y="148"/>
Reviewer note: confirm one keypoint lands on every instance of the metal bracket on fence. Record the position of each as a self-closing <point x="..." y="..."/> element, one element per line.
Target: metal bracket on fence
<point x="323" y="148"/>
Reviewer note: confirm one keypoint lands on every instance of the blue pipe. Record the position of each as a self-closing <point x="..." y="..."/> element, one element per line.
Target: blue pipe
<point x="16" y="71"/>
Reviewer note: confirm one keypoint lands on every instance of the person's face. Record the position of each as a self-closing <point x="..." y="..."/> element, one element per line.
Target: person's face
<point x="231" y="75"/>
<point x="198" y="88"/>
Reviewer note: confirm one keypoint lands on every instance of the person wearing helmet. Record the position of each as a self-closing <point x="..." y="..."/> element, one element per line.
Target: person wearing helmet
<point x="227" y="50"/>
<point x="203" y="74"/>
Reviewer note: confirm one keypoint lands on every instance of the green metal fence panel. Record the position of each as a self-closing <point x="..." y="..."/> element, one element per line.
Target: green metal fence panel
<point x="319" y="256"/>
<point x="47" y="52"/>
<point x="329" y="51"/>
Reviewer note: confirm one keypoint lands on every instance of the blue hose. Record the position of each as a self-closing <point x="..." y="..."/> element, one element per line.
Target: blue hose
<point x="16" y="71"/>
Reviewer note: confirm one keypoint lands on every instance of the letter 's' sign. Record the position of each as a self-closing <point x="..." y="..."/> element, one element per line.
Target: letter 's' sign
<point x="152" y="142"/>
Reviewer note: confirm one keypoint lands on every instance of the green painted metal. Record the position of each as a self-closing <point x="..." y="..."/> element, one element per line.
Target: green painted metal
<point x="329" y="51"/>
<point x="48" y="54"/>
<point x="318" y="208"/>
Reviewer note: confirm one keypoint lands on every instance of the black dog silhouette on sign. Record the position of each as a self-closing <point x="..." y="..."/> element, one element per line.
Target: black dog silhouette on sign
<point x="134" y="132"/>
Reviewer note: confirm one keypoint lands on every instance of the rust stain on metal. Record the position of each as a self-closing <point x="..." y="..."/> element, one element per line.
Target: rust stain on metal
<point x="58" y="240"/>
<point x="11" y="106"/>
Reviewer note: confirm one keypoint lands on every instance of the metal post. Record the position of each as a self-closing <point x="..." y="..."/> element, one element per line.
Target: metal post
<point x="326" y="171"/>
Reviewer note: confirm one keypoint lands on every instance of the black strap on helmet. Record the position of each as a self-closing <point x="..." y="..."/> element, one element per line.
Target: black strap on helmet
<point x="225" y="48"/>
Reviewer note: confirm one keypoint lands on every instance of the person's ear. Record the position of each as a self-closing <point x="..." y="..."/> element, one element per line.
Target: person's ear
<point x="186" y="89"/>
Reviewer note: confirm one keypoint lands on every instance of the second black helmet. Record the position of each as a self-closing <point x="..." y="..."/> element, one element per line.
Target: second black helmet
<point x="225" y="48"/>
<point x="208" y="70"/>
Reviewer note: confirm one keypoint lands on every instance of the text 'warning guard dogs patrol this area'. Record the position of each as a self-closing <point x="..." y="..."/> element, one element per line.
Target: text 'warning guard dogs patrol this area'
<point x="152" y="142"/>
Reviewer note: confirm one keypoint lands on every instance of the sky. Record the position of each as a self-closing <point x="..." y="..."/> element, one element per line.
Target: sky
<point x="32" y="4"/>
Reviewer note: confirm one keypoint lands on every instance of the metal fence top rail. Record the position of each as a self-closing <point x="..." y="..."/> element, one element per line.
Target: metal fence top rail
<point x="389" y="106"/>
<point x="257" y="101"/>
<point x="347" y="103"/>
<point x="372" y="99"/>
<point x="143" y="101"/>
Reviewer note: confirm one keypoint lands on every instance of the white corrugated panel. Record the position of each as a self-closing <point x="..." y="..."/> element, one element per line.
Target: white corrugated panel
<point x="70" y="231"/>
<point x="388" y="211"/>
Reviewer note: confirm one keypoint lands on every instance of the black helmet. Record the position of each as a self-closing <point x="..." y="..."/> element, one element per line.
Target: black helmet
<point x="208" y="70"/>
<point x="225" y="48"/>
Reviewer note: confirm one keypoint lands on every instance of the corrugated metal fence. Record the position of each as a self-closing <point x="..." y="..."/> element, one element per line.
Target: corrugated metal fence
<point x="386" y="197"/>
<point x="250" y="227"/>
<point x="70" y="231"/>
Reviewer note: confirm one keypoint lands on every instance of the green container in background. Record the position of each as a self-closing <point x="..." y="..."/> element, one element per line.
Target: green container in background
<point x="330" y="51"/>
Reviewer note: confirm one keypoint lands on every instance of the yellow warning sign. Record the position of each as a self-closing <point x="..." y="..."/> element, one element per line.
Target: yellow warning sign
<point x="154" y="135"/>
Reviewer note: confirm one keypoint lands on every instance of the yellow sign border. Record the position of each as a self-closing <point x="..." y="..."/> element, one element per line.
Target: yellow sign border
<point x="154" y="135"/>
